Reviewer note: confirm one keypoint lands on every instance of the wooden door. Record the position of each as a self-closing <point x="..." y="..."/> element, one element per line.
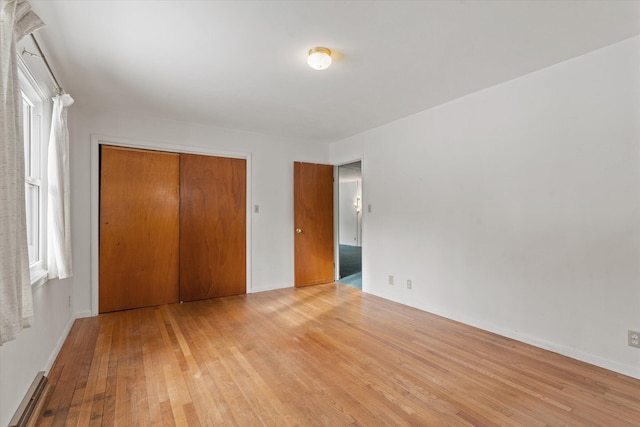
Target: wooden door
<point x="212" y="227"/>
<point x="313" y="222"/>
<point x="139" y="237"/>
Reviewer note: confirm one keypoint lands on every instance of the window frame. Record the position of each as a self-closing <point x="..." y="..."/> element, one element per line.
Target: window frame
<point x="38" y="131"/>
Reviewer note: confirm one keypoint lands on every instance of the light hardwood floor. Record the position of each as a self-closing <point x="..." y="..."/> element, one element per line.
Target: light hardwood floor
<point x="323" y="355"/>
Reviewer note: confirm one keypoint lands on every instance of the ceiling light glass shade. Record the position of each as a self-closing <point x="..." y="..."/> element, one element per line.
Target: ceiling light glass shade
<point x="319" y="58"/>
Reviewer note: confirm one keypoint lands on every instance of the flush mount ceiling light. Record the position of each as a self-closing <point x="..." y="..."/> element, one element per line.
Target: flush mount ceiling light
<point x="319" y="58"/>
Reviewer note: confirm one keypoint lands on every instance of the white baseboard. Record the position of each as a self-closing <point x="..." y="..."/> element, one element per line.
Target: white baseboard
<point x="63" y="337"/>
<point x="621" y="368"/>
<point x="269" y="288"/>
<point x="58" y="347"/>
<point x="573" y="353"/>
<point x="84" y="313"/>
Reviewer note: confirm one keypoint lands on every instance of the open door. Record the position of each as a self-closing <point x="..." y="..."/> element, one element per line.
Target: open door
<point x="313" y="222"/>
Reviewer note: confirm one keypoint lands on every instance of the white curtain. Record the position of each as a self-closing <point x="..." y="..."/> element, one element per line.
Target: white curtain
<point x="58" y="225"/>
<point x="16" y="307"/>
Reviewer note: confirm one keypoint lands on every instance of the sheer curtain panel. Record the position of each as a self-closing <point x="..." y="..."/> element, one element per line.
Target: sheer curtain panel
<point x="16" y="307"/>
<point x="58" y="226"/>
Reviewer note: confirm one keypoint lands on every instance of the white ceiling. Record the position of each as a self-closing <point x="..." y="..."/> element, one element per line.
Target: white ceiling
<point x="242" y="64"/>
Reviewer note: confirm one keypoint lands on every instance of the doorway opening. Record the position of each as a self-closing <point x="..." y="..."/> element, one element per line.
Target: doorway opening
<point x="350" y="224"/>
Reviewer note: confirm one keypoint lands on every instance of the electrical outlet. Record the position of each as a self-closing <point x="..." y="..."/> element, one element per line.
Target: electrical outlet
<point x="390" y="279"/>
<point x="409" y="284"/>
<point x="634" y="339"/>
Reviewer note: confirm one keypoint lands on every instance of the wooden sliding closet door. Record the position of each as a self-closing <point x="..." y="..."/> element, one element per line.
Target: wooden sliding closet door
<point x="139" y="236"/>
<point x="212" y="227"/>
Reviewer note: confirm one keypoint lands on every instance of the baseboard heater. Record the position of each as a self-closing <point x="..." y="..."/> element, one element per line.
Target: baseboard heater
<point x="30" y="407"/>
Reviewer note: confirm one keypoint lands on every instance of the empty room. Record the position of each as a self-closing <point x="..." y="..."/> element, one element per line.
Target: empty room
<point x="320" y="213"/>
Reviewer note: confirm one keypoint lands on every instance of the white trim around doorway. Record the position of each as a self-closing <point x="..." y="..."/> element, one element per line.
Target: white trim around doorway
<point x="336" y="216"/>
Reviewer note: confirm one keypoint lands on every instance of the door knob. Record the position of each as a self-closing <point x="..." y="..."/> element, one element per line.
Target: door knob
<point x="298" y="230"/>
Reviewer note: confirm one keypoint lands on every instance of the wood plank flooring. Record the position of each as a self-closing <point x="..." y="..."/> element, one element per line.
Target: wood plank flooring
<point x="325" y="355"/>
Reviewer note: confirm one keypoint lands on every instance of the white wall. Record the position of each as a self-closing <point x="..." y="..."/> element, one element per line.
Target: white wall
<point x="36" y="347"/>
<point x="271" y="187"/>
<point x="520" y="207"/>
<point x="349" y="217"/>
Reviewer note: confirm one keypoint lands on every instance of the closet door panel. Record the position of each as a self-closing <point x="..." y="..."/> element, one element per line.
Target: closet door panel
<point x="139" y="236"/>
<point x="212" y="227"/>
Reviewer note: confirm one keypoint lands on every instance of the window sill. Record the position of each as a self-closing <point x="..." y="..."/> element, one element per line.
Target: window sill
<point x="38" y="278"/>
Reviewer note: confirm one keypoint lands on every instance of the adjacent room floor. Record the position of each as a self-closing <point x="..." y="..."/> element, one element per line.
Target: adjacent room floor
<point x="351" y="265"/>
<point x="323" y="355"/>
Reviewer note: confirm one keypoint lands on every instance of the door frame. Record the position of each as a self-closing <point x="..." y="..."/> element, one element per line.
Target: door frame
<point x="97" y="141"/>
<point x="336" y="215"/>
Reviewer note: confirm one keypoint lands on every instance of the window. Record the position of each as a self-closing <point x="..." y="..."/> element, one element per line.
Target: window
<point x="33" y="183"/>
<point x="35" y="190"/>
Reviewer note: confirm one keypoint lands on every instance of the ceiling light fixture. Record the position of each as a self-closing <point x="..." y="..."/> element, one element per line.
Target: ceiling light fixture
<point x="319" y="58"/>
